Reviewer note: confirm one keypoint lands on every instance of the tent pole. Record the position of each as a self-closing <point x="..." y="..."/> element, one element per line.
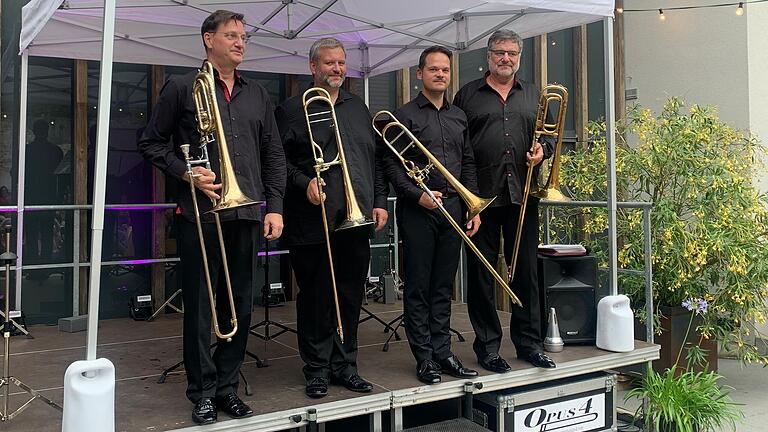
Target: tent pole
<point x="99" y="184"/>
<point x="24" y="80"/>
<point x="365" y="91"/>
<point x="610" y="142"/>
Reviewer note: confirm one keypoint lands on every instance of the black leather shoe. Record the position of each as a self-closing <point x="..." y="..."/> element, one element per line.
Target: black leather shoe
<point x="317" y="387"/>
<point x="234" y="406"/>
<point x="494" y="363"/>
<point x="354" y="383"/>
<point x="428" y="372"/>
<point x="452" y="366"/>
<point x="204" y="412"/>
<point x="540" y="360"/>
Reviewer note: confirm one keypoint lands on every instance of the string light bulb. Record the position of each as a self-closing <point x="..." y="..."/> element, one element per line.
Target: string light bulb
<point x="740" y="9"/>
<point x="619" y="10"/>
<point x="662" y="17"/>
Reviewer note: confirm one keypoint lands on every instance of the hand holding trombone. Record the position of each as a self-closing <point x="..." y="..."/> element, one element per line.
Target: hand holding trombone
<point x="475" y="204"/>
<point x="550" y="94"/>
<point x="354" y="217"/>
<point x="210" y="128"/>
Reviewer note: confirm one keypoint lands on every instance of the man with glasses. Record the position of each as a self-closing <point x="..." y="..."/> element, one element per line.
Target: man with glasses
<point x="258" y="162"/>
<point x="430" y="244"/>
<point x="501" y="112"/>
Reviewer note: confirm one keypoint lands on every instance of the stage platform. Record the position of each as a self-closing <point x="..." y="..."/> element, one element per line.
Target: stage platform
<point x="141" y="350"/>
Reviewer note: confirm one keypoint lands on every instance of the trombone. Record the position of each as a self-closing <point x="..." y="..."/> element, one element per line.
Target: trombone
<point x="551" y="93"/>
<point x="210" y="128"/>
<point x="475" y="204"/>
<point x="355" y="217"/>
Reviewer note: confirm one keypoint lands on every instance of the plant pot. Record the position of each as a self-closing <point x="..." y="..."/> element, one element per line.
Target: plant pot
<point x="674" y="324"/>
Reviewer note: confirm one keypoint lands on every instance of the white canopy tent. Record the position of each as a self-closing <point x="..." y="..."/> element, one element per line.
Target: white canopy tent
<point x="380" y="36"/>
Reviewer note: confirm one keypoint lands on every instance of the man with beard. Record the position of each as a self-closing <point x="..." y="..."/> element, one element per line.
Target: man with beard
<point x="326" y="357"/>
<point x="501" y="112"/>
<point x="430" y="244"/>
<point x="259" y="167"/>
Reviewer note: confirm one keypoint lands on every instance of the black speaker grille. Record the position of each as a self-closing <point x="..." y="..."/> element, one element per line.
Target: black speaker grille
<point x="568" y="285"/>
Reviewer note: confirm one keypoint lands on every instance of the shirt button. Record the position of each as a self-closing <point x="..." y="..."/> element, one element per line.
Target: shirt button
<point x="505" y="119"/>
<point x="509" y="174"/>
<point x="238" y="153"/>
<point x="237" y="172"/>
<point x="505" y="134"/>
<point x="233" y="119"/>
<point x="236" y="135"/>
<point x="507" y="152"/>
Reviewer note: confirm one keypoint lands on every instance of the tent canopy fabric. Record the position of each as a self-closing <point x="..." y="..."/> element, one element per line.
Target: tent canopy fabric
<point x="379" y="36"/>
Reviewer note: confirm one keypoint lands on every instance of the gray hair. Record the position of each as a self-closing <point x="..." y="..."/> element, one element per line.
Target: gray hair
<point x="505" y="35"/>
<point x="324" y="43"/>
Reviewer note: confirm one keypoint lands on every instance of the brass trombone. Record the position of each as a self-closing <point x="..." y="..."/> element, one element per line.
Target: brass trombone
<point x="475" y="204"/>
<point x="551" y="93"/>
<point x="210" y="128"/>
<point x="355" y="217"/>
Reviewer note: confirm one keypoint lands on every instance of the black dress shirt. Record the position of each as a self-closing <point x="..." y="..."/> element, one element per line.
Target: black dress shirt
<point x="444" y="134"/>
<point x="302" y="218"/>
<point x="251" y="134"/>
<point x="501" y="133"/>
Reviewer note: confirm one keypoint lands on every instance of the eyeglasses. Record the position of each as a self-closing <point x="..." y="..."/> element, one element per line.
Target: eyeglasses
<point x="501" y="53"/>
<point x="232" y="36"/>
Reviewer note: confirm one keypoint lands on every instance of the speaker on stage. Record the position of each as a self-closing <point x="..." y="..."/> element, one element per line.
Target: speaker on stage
<point x="568" y="284"/>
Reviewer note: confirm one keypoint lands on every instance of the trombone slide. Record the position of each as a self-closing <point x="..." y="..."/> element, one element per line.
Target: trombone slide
<point x="474" y="203"/>
<point x="550" y="93"/>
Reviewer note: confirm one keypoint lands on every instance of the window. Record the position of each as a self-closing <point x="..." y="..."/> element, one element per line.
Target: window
<point x="595" y="71"/>
<point x="382" y="91"/>
<point x="561" y="70"/>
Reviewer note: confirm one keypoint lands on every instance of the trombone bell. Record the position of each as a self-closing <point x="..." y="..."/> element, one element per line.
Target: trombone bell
<point x="552" y="94"/>
<point x="475" y="204"/>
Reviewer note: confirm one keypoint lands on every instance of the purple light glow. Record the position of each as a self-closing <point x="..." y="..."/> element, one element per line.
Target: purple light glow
<point x="272" y="253"/>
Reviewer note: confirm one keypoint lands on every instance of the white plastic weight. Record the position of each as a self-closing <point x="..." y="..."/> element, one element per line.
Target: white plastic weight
<point x="615" y="324"/>
<point x="89" y="396"/>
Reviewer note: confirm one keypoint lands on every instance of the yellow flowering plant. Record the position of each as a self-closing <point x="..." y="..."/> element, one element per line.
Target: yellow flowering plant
<point x="709" y="222"/>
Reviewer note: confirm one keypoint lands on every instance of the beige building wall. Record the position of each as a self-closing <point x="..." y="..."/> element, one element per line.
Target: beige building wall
<point x="757" y="43"/>
<point x="707" y="56"/>
<point x="700" y="55"/>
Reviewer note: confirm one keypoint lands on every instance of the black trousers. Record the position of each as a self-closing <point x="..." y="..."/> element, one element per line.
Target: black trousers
<point x="525" y="323"/>
<point x="431" y="256"/>
<point x="319" y="345"/>
<point x="218" y="374"/>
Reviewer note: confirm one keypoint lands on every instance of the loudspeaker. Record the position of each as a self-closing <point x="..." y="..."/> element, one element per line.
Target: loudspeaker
<point x="568" y="284"/>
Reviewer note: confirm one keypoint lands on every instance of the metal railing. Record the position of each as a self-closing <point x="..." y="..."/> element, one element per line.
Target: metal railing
<point x="77" y="264"/>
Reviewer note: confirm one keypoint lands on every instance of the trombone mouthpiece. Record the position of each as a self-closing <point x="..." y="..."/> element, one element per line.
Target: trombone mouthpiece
<point x="553" y="342"/>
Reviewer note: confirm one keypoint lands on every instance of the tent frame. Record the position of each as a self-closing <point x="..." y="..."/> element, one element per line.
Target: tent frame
<point x="105" y="78"/>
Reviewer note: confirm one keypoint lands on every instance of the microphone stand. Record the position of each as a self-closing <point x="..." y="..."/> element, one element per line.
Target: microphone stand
<point x="7" y="258"/>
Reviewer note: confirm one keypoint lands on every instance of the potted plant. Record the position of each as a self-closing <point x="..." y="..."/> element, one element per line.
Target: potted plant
<point x="709" y="223"/>
<point x="682" y="399"/>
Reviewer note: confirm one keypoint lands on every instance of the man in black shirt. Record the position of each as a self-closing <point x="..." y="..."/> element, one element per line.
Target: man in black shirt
<point x="325" y="356"/>
<point x="501" y="111"/>
<point x="431" y="245"/>
<point x="258" y="162"/>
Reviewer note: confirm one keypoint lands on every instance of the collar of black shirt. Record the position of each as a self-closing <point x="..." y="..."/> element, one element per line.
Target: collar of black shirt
<point x="343" y="94"/>
<point x="422" y="101"/>
<point x="517" y="82"/>
<point x="239" y="78"/>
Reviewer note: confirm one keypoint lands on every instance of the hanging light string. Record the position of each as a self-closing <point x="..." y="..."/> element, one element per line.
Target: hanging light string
<point x="739" y="8"/>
